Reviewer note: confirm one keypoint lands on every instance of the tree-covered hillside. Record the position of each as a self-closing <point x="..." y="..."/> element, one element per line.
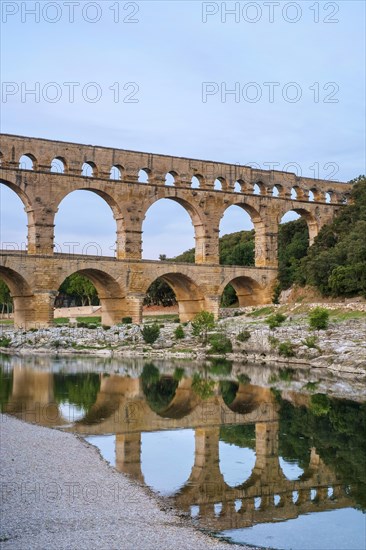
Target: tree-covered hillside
<point x="336" y="263"/>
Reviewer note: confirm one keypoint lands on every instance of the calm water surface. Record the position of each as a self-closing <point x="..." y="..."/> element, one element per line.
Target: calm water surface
<point x="264" y="456"/>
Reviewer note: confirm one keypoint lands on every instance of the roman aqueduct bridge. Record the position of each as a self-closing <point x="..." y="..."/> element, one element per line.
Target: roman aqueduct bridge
<point x="57" y="168"/>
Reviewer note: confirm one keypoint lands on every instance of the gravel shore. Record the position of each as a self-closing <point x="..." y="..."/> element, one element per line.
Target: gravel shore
<point x="58" y="493"/>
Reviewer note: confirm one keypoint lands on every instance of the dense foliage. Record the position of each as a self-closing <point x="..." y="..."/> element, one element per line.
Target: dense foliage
<point x="78" y="289"/>
<point x="77" y="389"/>
<point x="336" y="263"/>
<point x="159" y="390"/>
<point x="337" y="429"/>
<point x="6" y="301"/>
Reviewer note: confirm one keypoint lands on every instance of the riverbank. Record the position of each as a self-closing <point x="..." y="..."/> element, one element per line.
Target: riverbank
<point x="341" y="347"/>
<point x="57" y="492"/>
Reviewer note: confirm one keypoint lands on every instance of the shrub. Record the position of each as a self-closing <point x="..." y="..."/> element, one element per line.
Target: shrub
<point x="286" y="349"/>
<point x="150" y="333"/>
<point x="310" y="341"/>
<point x="126" y="320"/>
<point x="106" y="327"/>
<point x="276" y="294"/>
<point x="275" y="320"/>
<point x="273" y="341"/>
<point x="202" y="323"/>
<point x="319" y="318"/>
<point x="5" y="342"/>
<point x="220" y="343"/>
<point x="179" y="333"/>
<point x="243" y="336"/>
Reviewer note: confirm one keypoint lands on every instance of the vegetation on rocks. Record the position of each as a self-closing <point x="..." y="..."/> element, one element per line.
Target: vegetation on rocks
<point x="319" y="318"/>
<point x="150" y="333"/>
<point x="202" y="323"/>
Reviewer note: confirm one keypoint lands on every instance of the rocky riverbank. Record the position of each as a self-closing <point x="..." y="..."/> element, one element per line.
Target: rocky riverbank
<point x="57" y="492"/>
<point x="341" y="347"/>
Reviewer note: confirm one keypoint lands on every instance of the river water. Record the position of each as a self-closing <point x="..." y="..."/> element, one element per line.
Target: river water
<point x="270" y="457"/>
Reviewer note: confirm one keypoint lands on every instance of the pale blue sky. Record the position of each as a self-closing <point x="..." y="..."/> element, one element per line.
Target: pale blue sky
<point x="169" y="53"/>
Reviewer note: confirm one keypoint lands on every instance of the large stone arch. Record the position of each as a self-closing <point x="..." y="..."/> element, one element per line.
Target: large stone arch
<point x="189" y="295"/>
<point x="259" y="228"/>
<point x="22" y="294"/>
<point x="248" y="290"/>
<point x="195" y="214"/>
<point x="28" y="208"/>
<point x="309" y="217"/>
<point x="111" y="293"/>
<point x="117" y="212"/>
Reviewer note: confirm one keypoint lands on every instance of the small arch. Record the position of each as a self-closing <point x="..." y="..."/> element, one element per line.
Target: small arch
<point x="109" y="292"/>
<point x="27" y="162"/>
<point x="171" y="178"/>
<point x="116" y="172"/>
<point x="188" y="294"/>
<point x="196" y="181"/>
<point x="144" y="175"/>
<point x="311" y="195"/>
<point x="217" y="509"/>
<point x="22" y="296"/>
<point x="58" y="165"/>
<point x="17" y="283"/>
<point x="218" y="184"/>
<point x="294" y="193"/>
<point x="257" y="502"/>
<point x="89" y="169"/>
<point x="290" y="469"/>
<point x="248" y="291"/>
<point x="238" y="186"/>
<point x="76" y="290"/>
<point x="1" y="158"/>
<point x="278" y="190"/>
<point x="259" y="188"/>
<point x="329" y="197"/>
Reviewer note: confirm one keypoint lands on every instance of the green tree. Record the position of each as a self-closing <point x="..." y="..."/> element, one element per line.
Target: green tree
<point x="202" y="323"/>
<point x="81" y="288"/>
<point x="319" y="318"/>
<point x="160" y="294"/>
<point x="6" y="301"/>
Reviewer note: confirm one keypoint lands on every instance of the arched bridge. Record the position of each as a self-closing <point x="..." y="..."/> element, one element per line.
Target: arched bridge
<point x="54" y="169"/>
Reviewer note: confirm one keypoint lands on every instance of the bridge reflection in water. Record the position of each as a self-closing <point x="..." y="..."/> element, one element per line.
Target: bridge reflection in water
<point x="122" y="408"/>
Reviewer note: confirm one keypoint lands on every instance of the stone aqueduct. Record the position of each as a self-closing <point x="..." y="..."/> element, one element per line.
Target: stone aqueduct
<point x="35" y="276"/>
